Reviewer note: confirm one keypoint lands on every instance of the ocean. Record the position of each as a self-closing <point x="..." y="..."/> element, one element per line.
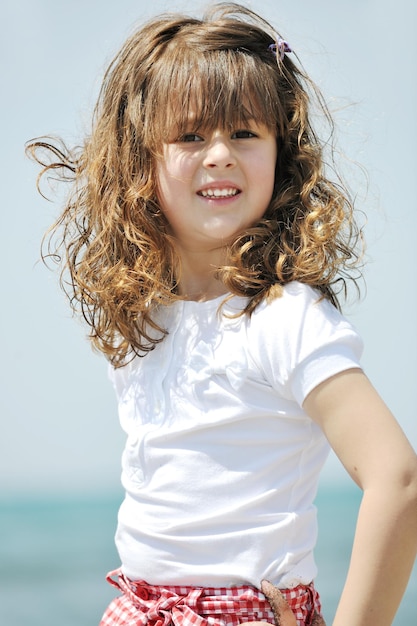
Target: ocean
<point x="55" y="553"/>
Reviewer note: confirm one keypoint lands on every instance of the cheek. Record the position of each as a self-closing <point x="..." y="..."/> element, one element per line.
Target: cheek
<point x="265" y="175"/>
<point x="165" y="186"/>
<point x="174" y="176"/>
<point x="264" y="170"/>
<point x="272" y="165"/>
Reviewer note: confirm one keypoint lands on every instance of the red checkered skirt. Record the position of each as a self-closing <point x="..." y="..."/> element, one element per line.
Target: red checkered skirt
<point x="142" y="604"/>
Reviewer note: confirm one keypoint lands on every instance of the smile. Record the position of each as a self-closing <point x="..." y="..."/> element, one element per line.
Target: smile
<point x="218" y="193"/>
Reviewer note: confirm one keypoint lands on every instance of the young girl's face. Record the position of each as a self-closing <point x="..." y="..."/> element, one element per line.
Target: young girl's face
<point x="214" y="184"/>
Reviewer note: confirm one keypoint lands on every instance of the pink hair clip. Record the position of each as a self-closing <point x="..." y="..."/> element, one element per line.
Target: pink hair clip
<point x="281" y="47"/>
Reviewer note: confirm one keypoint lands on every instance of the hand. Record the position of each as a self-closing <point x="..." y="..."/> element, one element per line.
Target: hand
<point x="282" y="612"/>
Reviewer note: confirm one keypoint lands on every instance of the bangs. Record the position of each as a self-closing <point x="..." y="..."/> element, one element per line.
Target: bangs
<point x="208" y="90"/>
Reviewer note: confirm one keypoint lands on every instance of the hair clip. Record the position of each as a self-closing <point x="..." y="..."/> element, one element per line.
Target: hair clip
<point x="281" y="47"/>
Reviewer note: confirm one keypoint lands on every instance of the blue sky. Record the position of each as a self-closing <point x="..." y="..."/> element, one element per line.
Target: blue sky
<point x="59" y="422"/>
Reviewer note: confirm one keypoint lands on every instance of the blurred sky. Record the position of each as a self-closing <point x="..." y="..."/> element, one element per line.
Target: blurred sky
<point x="59" y="428"/>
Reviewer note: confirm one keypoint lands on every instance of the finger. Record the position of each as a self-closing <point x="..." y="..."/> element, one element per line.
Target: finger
<point x="282" y="612"/>
<point x="318" y="620"/>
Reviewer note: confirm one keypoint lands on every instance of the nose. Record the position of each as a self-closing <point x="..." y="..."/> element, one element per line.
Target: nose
<point x="219" y="152"/>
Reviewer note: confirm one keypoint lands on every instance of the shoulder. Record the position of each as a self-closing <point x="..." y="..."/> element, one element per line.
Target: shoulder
<point x="300" y="339"/>
<point x="297" y="304"/>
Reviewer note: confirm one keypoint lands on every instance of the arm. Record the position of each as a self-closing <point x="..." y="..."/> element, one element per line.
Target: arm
<point x="377" y="455"/>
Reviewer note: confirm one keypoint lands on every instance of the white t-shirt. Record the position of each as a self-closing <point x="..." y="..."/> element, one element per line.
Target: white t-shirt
<point x="221" y="462"/>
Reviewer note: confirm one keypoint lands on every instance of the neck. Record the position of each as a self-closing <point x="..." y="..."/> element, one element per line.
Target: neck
<point x="197" y="279"/>
<point x="200" y="292"/>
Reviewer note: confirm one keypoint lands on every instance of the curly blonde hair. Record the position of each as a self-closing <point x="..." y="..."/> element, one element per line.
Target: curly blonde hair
<point x="118" y="253"/>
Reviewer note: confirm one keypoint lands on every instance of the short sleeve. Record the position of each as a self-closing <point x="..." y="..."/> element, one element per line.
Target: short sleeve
<point x="299" y="340"/>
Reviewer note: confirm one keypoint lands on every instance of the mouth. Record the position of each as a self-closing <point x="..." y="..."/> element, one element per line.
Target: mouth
<point x="228" y="192"/>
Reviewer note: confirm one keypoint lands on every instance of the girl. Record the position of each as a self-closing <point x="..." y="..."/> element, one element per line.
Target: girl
<point x="207" y="249"/>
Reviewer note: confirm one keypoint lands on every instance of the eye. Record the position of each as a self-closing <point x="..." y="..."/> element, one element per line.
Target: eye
<point x="243" y="134"/>
<point x="190" y="137"/>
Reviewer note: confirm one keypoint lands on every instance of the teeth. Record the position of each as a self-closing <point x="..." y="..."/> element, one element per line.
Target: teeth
<point x="219" y="193"/>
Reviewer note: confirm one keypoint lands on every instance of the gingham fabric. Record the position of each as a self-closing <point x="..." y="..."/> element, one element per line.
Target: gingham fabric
<point x="150" y="605"/>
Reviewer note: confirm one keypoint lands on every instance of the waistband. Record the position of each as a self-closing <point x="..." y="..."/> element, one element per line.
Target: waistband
<point x="157" y="605"/>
